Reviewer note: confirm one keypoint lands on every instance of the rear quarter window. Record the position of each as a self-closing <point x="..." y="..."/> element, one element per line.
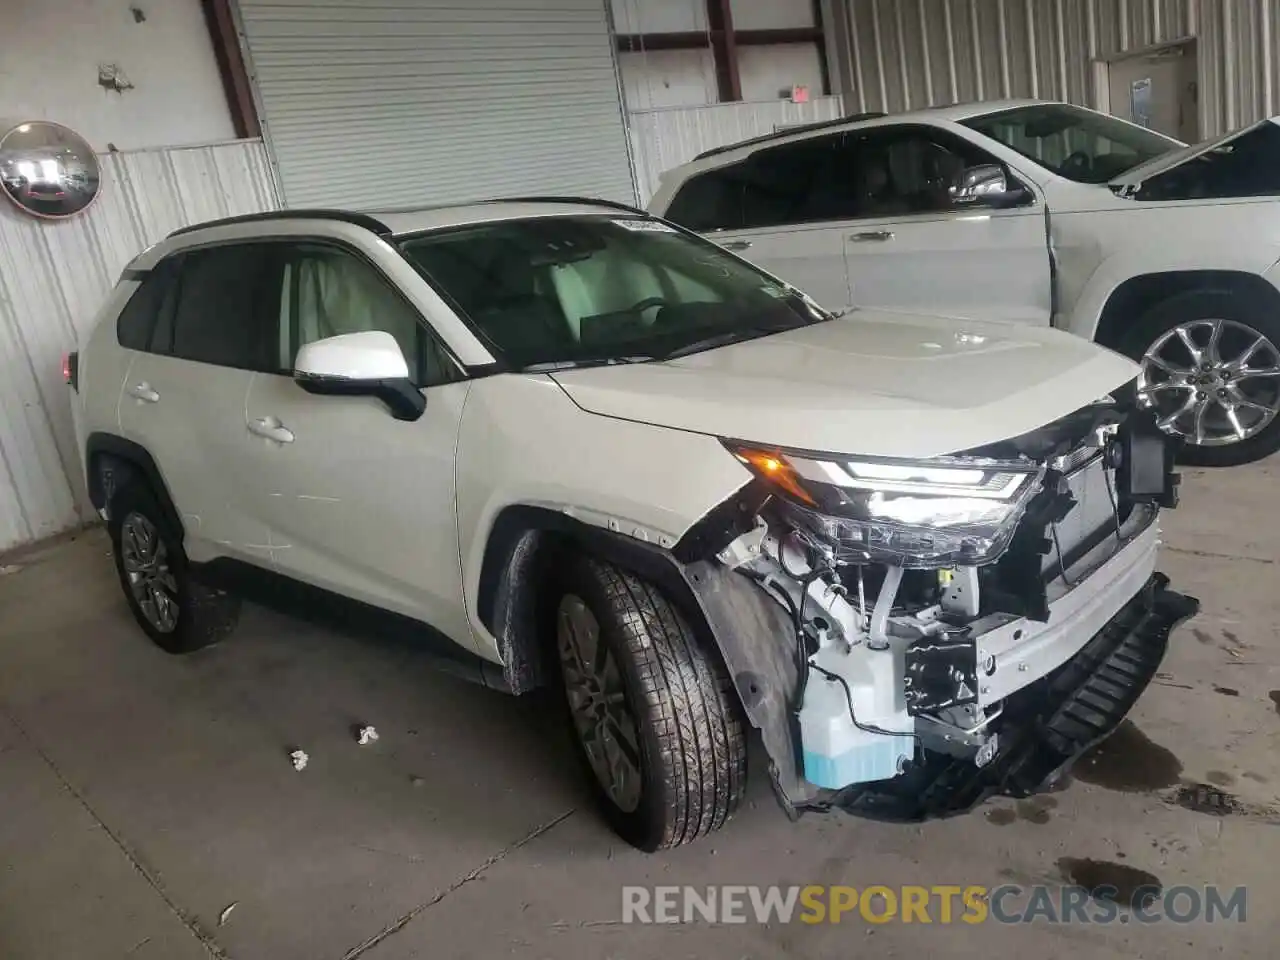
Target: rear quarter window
<point x="137" y="320"/>
<point x="709" y="201"/>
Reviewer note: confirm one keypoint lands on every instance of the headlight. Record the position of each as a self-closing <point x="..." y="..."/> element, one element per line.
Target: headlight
<point x="912" y="513"/>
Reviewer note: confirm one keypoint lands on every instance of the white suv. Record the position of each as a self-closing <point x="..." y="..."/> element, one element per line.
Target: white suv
<point x="1033" y="212"/>
<point x="579" y="446"/>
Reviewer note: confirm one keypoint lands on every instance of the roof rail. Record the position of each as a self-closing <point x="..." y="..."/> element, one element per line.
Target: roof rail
<point x="799" y="128"/>
<point x="590" y="201"/>
<point x="346" y="216"/>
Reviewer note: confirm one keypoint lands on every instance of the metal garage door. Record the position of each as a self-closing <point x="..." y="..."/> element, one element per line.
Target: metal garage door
<point x="381" y="103"/>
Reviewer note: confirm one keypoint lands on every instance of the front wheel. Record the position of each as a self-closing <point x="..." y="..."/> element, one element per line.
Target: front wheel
<point x="1210" y="364"/>
<point x="655" y="716"/>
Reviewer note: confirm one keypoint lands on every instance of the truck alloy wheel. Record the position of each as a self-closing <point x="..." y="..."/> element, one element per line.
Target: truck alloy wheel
<point x="1214" y="381"/>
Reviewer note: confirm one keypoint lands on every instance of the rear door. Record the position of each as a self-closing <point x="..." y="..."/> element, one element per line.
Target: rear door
<point x="184" y="397"/>
<point x="910" y="247"/>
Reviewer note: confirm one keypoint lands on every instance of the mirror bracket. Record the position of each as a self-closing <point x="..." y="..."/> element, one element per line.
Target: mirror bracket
<point x="404" y="400"/>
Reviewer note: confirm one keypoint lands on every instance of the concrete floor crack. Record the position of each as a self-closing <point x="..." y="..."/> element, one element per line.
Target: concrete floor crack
<point x="498" y="857"/>
<point x="210" y="945"/>
<point x="1213" y="555"/>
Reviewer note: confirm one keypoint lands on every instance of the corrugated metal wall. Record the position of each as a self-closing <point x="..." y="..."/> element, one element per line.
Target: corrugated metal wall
<point x="662" y="139"/>
<point x="898" y="55"/>
<point x="53" y="278"/>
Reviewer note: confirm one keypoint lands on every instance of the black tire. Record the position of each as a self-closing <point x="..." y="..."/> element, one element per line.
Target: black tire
<point x="693" y="751"/>
<point x="204" y="615"/>
<point x="1204" y="305"/>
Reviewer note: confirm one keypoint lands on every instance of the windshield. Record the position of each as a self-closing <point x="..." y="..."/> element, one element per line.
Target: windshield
<point x="596" y="289"/>
<point x="1077" y="144"/>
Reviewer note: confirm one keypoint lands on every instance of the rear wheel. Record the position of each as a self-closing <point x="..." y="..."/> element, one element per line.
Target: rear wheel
<point x="654" y="714"/>
<point x="177" y="613"/>
<point x="1211" y="371"/>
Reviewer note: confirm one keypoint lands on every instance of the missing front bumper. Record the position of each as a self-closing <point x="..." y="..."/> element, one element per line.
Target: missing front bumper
<point x="1045" y="727"/>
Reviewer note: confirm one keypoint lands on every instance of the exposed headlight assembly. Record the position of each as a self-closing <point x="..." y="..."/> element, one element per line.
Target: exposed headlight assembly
<point x="918" y="514"/>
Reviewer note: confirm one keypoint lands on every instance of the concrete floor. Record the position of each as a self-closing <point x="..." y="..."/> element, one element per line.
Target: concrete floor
<point x="142" y="794"/>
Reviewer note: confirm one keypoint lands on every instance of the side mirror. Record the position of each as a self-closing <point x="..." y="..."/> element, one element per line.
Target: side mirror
<point x="987" y="185"/>
<point x="365" y="364"/>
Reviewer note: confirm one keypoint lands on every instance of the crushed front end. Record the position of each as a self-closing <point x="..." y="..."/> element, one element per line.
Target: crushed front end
<point x="911" y="637"/>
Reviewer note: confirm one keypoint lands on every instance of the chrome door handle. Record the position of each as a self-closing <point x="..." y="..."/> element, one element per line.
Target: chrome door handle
<point x="270" y="428"/>
<point x="737" y="245"/>
<point x="142" y="391"/>
<point x="872" y="235"/>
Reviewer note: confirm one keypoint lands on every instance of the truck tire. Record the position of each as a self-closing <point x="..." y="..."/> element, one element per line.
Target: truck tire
<point x="177" y="613"/>
<point x="655" y="718"/>
<point x="1215" y="356"/>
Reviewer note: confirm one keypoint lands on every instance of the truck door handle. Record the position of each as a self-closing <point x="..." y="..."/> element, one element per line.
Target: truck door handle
<point x="737" y="245"/>
<point x="872" y="235"/>
<point x="142" y="391"/>
<point x="272" y="429"/>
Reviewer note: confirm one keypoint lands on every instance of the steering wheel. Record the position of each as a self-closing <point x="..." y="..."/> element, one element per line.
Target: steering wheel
<point x="1076" y="163"/>
<point x="648" y="303"/>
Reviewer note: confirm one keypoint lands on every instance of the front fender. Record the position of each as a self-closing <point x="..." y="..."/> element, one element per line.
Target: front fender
<point x="523" y="442"/>
<point x="1152" y="239"/>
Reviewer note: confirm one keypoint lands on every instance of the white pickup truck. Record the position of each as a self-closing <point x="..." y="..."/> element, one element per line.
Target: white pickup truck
<point x="1033" y="212"/>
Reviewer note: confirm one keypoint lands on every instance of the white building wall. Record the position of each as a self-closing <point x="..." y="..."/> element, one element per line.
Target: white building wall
<point x="51" y="52"/>
<point x="667" y="78"/>
<point x="658" y="16"/>
<point x="770" y="72"/>
<point x="54" y="276"/>
<point x="687" y="78"/>
<point x="898" y="55"/>
<point x="771" y="14"/>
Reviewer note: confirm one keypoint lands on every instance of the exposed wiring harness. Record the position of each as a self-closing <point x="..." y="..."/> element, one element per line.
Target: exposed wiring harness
<point x="848" y="696"/>
<point x="804" y="665"/>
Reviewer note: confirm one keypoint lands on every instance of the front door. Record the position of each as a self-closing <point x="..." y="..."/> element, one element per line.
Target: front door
<point x="911" y="247"/>
<point x="351" y="499"/>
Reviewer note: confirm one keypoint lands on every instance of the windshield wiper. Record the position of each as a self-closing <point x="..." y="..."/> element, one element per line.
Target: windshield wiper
<point x="724" y="339"/>
<point x="550" y="366"/>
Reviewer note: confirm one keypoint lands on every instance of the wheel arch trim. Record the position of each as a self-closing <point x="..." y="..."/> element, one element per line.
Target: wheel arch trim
<point x="517" y="543"/>
<point x="102" y="449"/>
<point x="1110" y="304"/>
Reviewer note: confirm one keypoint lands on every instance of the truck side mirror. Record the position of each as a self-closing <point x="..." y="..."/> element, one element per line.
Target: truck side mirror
<point x="987" y="185"/>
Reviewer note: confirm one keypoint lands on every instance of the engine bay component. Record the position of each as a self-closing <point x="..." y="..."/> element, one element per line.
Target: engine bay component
<point x="922" y="597"/>
<point x="940" y="672"/>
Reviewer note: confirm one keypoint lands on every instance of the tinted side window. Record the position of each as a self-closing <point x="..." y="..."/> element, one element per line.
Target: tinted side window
<point x="138" y="318"/>
<point x="906" y="171"/>
<point x="795" y="183"/>
<point x="329" y="292"/>
<point x="1248" y="166"/>
<point x="709" y="201"/>
<point x="228" y="306"/>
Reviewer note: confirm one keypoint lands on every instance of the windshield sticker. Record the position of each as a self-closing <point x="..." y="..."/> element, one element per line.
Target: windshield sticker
<point x="640" y="226"/>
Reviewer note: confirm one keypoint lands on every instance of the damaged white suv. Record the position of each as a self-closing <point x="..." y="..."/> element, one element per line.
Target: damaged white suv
<point x="590" y="449"/>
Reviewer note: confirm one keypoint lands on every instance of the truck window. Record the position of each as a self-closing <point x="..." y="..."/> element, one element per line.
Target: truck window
<point x="1248" y="166"/>
<point x="709" y="201"/>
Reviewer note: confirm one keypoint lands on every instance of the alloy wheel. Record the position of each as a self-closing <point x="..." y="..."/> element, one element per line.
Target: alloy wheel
<point x="146" y="565"/>
<point x="604" y="723"/>
<point x="1213" y="381"/>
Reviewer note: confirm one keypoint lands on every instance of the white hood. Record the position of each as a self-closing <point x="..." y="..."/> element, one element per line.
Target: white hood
<point x="876" y="383"/>
<point x="1132" y="179"/>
